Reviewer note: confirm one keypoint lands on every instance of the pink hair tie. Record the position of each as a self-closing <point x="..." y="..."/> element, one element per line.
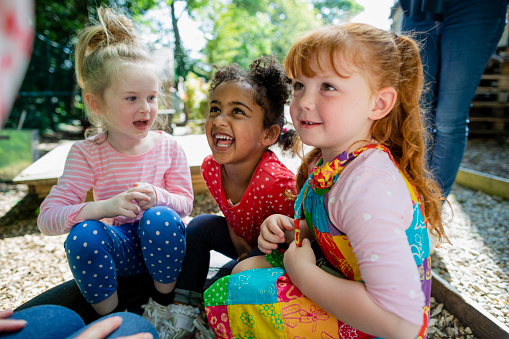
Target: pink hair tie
<point x="285" y="129"/>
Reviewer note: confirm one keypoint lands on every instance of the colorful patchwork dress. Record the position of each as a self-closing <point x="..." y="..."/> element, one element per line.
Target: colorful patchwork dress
<point x="263" y="303"/>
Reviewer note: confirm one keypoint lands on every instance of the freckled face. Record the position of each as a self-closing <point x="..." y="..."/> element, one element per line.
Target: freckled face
<point x="234" y="126"/>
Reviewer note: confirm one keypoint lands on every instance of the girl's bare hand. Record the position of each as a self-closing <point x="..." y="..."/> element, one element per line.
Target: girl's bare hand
<point x="272" y="232"/>
<point x="298" y="259"/>
<point x="123" y="204"/>
<point x="149" y="191"/>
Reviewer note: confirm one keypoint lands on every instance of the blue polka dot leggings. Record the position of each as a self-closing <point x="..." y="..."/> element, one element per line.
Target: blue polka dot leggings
<point x="97" y="252"/>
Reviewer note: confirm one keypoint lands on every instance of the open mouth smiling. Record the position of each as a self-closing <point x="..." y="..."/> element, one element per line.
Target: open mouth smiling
<point x="222" y="140"/>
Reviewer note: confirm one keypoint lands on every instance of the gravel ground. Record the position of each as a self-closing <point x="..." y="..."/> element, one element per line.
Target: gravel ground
<point x="476" y="262"/>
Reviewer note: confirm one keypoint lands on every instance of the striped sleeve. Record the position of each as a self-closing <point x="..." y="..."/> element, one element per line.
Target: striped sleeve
<point x="178" y="190"/>
<point x="67" y="198"/>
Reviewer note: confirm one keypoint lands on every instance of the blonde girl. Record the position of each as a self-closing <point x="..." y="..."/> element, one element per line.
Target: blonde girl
<point x="140" y="177"/>
<point x="359" y="264"/>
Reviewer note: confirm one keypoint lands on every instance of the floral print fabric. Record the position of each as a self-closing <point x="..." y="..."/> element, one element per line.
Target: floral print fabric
<point x="263" y="303"/>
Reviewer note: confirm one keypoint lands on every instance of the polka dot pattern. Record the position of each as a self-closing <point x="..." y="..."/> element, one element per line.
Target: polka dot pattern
<point x="263" y="197"/>
<point x="98" y="253"/>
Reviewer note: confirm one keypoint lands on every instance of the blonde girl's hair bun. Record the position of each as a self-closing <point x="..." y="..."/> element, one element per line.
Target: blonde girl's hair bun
<point x="113" y="27"/>
<point x="116" y="28"/>
<point x="103" y="49"/>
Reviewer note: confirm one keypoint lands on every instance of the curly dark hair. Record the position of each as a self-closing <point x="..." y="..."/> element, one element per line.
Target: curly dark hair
<point x="271" y="90"/>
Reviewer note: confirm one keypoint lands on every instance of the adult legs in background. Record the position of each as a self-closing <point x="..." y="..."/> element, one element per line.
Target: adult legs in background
<point x="46" y="321"/>
<point x="455" y="53"/>
<point x="131" y="324"/>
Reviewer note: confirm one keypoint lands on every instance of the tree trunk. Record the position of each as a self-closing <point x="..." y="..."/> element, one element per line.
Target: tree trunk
<point x="179" y="51"/>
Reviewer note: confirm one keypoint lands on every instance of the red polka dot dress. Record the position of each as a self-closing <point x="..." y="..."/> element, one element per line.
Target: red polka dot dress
<point x="264" y="196"/>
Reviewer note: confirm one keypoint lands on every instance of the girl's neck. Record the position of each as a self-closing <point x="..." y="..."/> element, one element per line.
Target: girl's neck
<point x="330" y="154"/>
<point x="235" y="178"/>
<point x="131" y="146"/>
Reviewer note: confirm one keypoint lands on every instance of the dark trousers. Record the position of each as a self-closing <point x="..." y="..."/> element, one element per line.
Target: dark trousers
<point x="204" y="233"/>
<point x="454" y="54"/>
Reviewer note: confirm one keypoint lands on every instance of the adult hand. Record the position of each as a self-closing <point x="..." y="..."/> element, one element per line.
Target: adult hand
<point x="241" y="245"/>
<point x="149" y="191"/>
<point x="272" y="232"/>
<point x="298" y="260"/>
<point x="105" y="327"/>
<point x="10" y="325"/>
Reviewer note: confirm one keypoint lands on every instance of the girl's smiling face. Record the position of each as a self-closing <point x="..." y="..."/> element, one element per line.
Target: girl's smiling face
<point x="329" y="111"/>
<point x="234" y="126"/>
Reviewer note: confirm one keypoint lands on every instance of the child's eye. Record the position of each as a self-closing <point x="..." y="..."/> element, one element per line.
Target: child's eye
<point x="298" y="86"/>
<point x="328" y="87"/>
<point x="237" y="111"/>
<point x="131" y="98"/>
<point x="213" y="111"/>
<point x="152" y="97"/>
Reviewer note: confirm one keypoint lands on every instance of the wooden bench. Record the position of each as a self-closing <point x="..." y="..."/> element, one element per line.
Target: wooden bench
<point x="41" y="175"/>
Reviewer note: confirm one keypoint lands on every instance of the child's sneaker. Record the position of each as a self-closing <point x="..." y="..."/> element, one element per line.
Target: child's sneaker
<point x="155" y="313"/>
<point x="202" y="331"/>
<point x="180" y="324"/>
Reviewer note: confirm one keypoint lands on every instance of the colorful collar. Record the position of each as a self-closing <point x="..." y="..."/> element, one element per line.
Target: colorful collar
<point x="324" y="176"/>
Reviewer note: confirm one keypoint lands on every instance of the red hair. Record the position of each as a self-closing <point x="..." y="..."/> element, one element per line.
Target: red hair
<point x="386" y="60"/>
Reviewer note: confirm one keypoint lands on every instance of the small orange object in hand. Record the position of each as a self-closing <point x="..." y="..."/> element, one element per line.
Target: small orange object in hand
<point x="298" y="241"/>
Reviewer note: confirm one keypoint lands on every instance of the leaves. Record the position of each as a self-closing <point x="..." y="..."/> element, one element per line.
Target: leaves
<point x="336" y="11"/>
<point x="245" y="30"/>
<point x="236" y="31"/>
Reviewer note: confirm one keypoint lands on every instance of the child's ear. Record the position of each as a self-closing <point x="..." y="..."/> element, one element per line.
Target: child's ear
<point x="271" y="135"/>
<point x="93" y="103"/>
<point x="384" y="102"/>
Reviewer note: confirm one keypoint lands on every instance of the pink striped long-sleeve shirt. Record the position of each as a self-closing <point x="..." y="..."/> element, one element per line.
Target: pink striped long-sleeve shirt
<point x="108" y="172"/>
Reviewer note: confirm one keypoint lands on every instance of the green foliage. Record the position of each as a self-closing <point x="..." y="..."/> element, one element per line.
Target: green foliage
<point x="15" y="152"/>
<point x="196" y="97"/>
<point x="244" y="30"/>
<point x="49" y="90"/>
<point x="236" y="30"/>
<point x="336" y="11"/>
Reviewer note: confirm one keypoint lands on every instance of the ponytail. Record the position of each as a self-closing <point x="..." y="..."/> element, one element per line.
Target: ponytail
<point x="111" y="29"/>
<point x="103" y="48"/>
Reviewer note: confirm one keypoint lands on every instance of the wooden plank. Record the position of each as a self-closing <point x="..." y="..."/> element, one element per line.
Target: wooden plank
<point x="47" y="168"/>
<point x="488" y="119"/>
<point x="44" y="173"/>
<point x="483" y="324"/>
<point x="490" y="90"/>
<point x="495" y="104"/>
<point x="487" y="183"/>
<point x="488" y="132"/>
<point x="199" y="184"/>
<point x="495" y="77"/>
